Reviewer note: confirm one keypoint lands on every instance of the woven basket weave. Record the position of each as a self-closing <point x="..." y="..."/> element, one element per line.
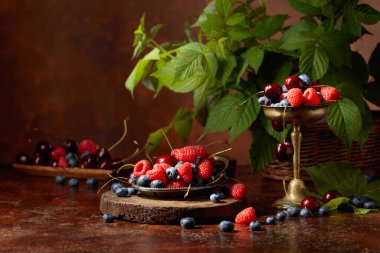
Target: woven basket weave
<point x="320" y="145"/>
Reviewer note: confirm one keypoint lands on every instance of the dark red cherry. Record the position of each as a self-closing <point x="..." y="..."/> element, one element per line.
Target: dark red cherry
<point x="102" y="154"/>
<point x="272" y="91"/>
<point x="310" y="202"/>
<point x="166" y="158"/>
<point x="70" y="145"/>
<point x="278" y="125"/>
<point x="292" y="82"/>
<point x="283" y="95"/>
<point x="43" y="148"/>
<point x="88" y="161"/>
<point x="105" y="164"/>
<point x="23" y="158"/>
<point x="284" y="151"/>
<point x="40" y="160"/>
<point x="330" y="195"/>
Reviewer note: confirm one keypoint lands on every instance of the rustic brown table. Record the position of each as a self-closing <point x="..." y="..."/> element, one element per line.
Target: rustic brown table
<point x="36" y="215"/>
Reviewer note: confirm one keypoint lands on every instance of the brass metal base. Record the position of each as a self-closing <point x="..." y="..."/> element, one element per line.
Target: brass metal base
<point x="294" y="195"/>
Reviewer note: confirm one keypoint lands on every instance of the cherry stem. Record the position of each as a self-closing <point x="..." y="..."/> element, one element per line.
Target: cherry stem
<point x="216" y="142"/>
<point x="150" y="159"/>
<point x="122" y="137"/>
<point x="124" y="166"/>
<point x="188" y="191"/>
<point x="220" y="152"/>
<point x="112" y="179"/>
<point x="167" y="140"/>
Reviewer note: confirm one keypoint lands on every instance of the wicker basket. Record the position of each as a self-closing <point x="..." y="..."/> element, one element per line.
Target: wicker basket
<point x="320" y="145"/>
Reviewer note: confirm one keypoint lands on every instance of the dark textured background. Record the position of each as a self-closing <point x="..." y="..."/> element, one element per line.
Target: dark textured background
<point x="64" y="64"/>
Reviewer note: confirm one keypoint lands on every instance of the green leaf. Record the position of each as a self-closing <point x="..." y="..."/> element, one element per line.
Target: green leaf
<point x="182" y="122"/>
<point x="335" y="203"/>
<point x="189" y="84"/>
<point x="319" y="3"/>
<point x="154" y="139"/>
<point x="358" y="210"/>
<point x="372" y="191"/>
<point x="342" y="177"/>
<point x="226" y="68"/>
<point x="247" y="114"/>
<point x="279" y="136"/>
<point x="344" y="120"/>
<point x="138" y="72"/>
<point x="367" y="14"/>
<point x="304" y="6"/>
<point x="296" y="41"/>
<point x="366" y="126"/>
<point x="224" y="114"/>
<point x="374" y="62"/>
<point x="262" y="151"/>
<point x="314" y="61"/>
<point x="351" y="22"/>
<point x="283" y="71"/>
<point x="239" y="32"/>
<point x="254" y="57"/>
<point x="140" y="40"/>
<point x="337" y="48"/>
<point x="298" y="28"/>
<point x="236" y="18"/>
<point x="268" y="26"/>
<point x="189" y="60"/>
<point x="224" y="7"/>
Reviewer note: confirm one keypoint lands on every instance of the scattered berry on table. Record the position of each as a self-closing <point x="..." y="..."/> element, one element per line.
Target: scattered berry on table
<point x="185" y="172"/>
<point x="205" y="169"/>
<point x="323" y="211"/>
<point x="121" y="191"/>
<point x="176" y="183"/>
<point x="226" y="226"/>
<point x="246" y="216"/>
<point x="215" y="198"/>
<point x="108" y="218"/>
<point x="73" y="182"/>
<point x="281" y="216"/>
<point x="310" y="202"/>
<point x="171" y="173"/>
<point x="369" y="205"/>
<point x="92" y="182"/>
<point x="255" y="226"/>
<point x="116" y="185"/>
<point x="189" y="153"/>
<point x="329" y="195"/>
<point x="141" y="167"/>
<point x="293" y="211"/>
<point x="306" y="213"/>
<point x="157" y="184"/>
<point x="270" y="220"/>
<point x="187" y="222"/>
<point x="131" y="191"/>
<point x="295" y="97"/>
<point x="237" y="191"/>
<point x="311" y="98"/>
<point x="60" y="179"/>
<point x="143" y="181"/>
<point x="358" y="200"/>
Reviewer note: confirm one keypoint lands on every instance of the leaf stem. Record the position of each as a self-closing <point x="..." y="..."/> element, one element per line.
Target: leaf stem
<point x="122" y="137"/>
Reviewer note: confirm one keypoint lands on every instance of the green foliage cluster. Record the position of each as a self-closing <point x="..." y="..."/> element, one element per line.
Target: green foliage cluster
<point x="234" y="54"/>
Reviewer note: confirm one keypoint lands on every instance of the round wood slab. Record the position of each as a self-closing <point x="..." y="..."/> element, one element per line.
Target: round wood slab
<point x="143" y="209"/>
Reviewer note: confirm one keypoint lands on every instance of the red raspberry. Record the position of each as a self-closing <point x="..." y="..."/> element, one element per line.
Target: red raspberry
<point x="185" y="172"/>
<point x="316" y="86"/>
<point x="176" y="183"/>
<point x="205" y="168"/>
<point x="295" y="97"/>
<point x="238" y="191"/>
<point x="57" y="152"/>
<point x="157" y="174"/>
<point x="310" y="97"/>
<point x="189" y="153"/>
<point x="62" y="162"/>
<point x="246" y="216"/>
<point x="87" y="145"/>
<point x="141" y="167"/>
<point x="330" y="94"/>
<point x="162" y="166"/>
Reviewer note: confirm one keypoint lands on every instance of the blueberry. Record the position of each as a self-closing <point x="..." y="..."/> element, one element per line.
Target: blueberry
<point x="262" y="100"/>
<point x="70" y="155"/>
<point x="226" y="226"/>
<point x="114" y="186"/>
<point x="294" y="211"/>
<point x="221" y="195"/>
<point x="178" y="164"/>
<point x="132" y="179"/>
<point x="323" y="211"/>
<point x="358" y="200"/>
<point x="143" y="181"/>
<point x="73" y="182"/>
<point x="215" y="198"/>
<point x="157" y="184"/>
<point x="281" y="216"/>
<point x="171" y="173"/>
<point x="270" y="220"/>
<point x="306" y="213"/>
<point x="284" y="88"/>
<point x="306" y="80"/>
<point x="268" y="101"/>
<point x="121" y="191"/>
<point x="72" y="162"/>
<point x="369" y="205"/>
<point x="187" y="222"/>
<point x="85" y="153"/>
<point x="60" y="179"/>
<point x="284" y="102"/>
<point x="255" y="226"/>
<point x="132" y="191"/>
<point x="276" y="105"/>
<point x="108" y="218"/>
<point x="92" y="182"/>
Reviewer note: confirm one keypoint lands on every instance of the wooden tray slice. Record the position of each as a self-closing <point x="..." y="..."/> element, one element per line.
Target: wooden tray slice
<point x="74" y="172"/>
<point x="143" y="209"/>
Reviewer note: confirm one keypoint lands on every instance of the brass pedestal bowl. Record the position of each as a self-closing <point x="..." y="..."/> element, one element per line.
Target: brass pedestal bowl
<point x="295" y="116"/>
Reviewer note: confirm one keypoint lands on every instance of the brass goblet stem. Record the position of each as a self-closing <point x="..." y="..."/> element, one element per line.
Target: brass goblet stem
<point x="296" y="141"/>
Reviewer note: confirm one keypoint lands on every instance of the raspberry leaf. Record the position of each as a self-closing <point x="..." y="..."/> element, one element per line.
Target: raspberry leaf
<point x="314" y="60"/>
<point x="358" y="210"/>
<point x="344" y="120"/>
<point x="304" y="6"/>
<point x="254" y="57"/>
<point x="262" y="151"/>
<point x="335" y="203"/>
<point x="268" y="26"/>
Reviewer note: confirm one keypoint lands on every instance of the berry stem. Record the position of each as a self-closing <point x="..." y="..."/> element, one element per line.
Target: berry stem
<point x="188" y="191"/>
<point x="124" y="166"/>
<point x="220" y="152"/>
<point x="216" y="142"/>
<point x="167" y="140"/>
<point x="122" y="137"/>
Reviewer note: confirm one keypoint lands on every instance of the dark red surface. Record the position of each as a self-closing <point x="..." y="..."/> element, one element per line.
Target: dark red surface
<point x="39" y="216"/>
